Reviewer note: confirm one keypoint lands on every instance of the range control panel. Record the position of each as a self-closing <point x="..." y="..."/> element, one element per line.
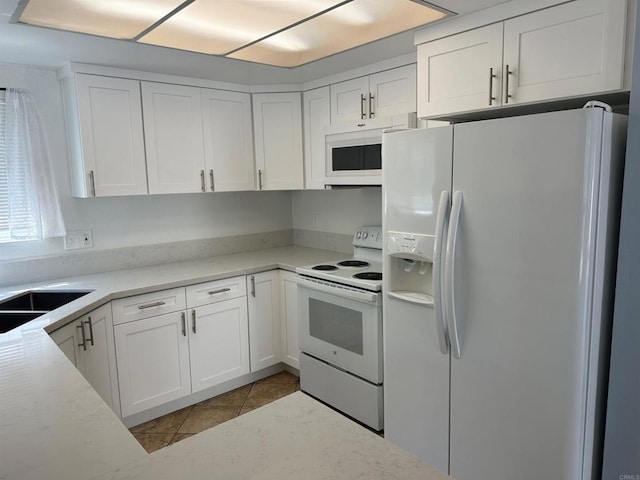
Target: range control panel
<point x="369" y="236"/>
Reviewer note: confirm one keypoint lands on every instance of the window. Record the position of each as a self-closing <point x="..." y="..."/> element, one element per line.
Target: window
<point x="29" y="206"/>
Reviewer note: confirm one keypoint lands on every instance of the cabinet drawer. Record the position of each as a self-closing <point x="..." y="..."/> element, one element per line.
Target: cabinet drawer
<point x="216" y="291"/>
<point x="148" y="305"/>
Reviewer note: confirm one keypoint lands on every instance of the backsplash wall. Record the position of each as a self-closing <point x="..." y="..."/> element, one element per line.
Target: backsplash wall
<point x="328" y="218"/>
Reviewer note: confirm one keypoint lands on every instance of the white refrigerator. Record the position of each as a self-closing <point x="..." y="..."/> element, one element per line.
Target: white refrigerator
<point x="499" y="258"/>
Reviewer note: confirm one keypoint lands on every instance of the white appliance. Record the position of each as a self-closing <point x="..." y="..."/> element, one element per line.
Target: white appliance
<point x="340" y="325"/>
<point x="499" y="254"/>
<point x="353" y="157"/>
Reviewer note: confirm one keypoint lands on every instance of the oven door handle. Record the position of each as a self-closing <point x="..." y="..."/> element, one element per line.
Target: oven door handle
<point x="345" y="292"/>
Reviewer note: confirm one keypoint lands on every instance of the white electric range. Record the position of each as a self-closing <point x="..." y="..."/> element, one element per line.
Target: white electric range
<point x="340" y="307"/>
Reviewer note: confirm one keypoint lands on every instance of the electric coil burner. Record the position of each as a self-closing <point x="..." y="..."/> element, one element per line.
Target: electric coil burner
<point x="368" y="276"/>
<point x="325" y="268"/>
<point x="353" y="263"/>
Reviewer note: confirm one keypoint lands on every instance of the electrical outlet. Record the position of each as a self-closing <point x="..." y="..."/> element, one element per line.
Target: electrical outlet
<point x="78" y="239"/>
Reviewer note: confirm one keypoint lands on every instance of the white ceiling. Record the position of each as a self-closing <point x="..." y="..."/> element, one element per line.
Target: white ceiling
<point x="52" y="48"/>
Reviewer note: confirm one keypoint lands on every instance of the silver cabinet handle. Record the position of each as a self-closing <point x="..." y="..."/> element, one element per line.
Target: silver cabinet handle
<point x="93" y="183"/>
<point x="253" y="286"/>
<point x="371" y="112"/>
<point x="259" y="179"/>
<point x="90" y="323"/>
<point x="204" y="189"/>
<point x="193" y="321"/>
<point x="150" y="305"/>
<point x="220" y="290"/>
<point x="213" y="188"/>
<point x="491" y="77"/>
<point x="184" y="324"/>
<point x="84" y="338"/>
<point x="362" y="103"/>
<point x="507" y="95"/>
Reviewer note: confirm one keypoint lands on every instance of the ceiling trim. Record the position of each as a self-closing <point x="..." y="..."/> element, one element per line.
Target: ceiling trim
<point x="151" y="27"/>
<point x="288" y="27"/>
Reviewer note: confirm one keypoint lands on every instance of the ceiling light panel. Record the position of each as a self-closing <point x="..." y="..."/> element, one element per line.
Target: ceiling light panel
<point x="122" y="19"/>
<point x="220" y="26"/>
<point x="348" y="26"/>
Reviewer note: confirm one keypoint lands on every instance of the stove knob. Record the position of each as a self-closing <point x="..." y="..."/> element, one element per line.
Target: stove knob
<point x="365" y="235"/>
<point x="358" y="235"/>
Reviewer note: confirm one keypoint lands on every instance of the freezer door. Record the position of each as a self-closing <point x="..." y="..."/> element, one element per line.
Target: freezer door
<point x="416" y="383"/>
<point x="416" y="169"/>
<point x="523" y="280"/>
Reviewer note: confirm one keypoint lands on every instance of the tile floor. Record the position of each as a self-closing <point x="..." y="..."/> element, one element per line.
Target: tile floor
<point x="176" y="426"/>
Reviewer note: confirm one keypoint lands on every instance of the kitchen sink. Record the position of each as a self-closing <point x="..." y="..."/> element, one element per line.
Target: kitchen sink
<point x="42" y="301"/>
<point x="11" y="320"/>
<point x="25" y="307"/>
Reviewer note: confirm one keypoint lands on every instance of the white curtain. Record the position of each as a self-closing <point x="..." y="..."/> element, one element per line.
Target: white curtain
<point x="34" y="206"/>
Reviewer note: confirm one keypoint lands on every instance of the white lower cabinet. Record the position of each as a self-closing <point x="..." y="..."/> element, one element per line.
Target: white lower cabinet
<point x="289" y="312"/>
<point x="264" y="319"/>
<point x="89" y="343"/>
<point x="153" y="361"/>
<point x="218" y="343"/>
<point x="228" y="328"/>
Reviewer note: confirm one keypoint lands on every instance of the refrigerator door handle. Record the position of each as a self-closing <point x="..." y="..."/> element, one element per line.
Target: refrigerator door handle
<point x="454" y="324"/>
<point x="438" y="300"/>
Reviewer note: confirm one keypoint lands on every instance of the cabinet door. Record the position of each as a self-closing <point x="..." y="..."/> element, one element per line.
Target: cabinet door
<point x="264" y="319"/>
<point x="393" y="92"/>
<point x="69" y="339"/>
<point x="277" y="121"/>
<point x="218" y="343"/>
<point x="153" y="361"/>
<point x="568" y="50"/>
<point x="99" y="358"/>
<point x="173" y="138"/>
<point x="289" y="314"/>
<point x="317" y="117"/>
<point x="228" y="140"/>
<point x="110" y="127"/>
<point x="349" y="101"/>
<point x="454" y="73"/>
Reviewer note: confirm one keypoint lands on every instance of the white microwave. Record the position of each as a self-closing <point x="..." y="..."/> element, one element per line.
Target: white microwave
<point x="354" y="157"/>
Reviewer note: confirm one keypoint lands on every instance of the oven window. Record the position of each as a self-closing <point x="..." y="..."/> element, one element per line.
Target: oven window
<point x="336" y="325"/>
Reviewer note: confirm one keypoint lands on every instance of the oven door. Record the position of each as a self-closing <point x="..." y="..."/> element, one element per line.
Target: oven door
<point x="342" y="326"/>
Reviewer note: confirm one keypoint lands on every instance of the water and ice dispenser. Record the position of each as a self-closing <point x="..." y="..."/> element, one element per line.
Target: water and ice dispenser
<point x="409" y="262"/>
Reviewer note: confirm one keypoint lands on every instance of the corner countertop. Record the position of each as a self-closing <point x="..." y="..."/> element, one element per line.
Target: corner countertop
<point x="55" y="426"/>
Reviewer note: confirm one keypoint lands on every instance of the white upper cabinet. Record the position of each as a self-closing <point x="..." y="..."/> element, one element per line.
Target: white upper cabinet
<point x="569" y="50"/>
<point x="173" y="138"/>
<point x="316" y="113"/>
<point x="573" y="49"/>
<point x="383" y="94"/>
<point x="349" y="100"/>
<point x="392" y="92"/>
<point x="104" y="123"/>
<point x="277" y="119"/>
<point x="455" y="73"/>
<point x="228" y="140"/>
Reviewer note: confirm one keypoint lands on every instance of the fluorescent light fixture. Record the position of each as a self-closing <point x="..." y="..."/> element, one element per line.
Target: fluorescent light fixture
<point x="285" y="33"/>
<point x="123" y="19"/>
<point x="348" y="26"/>
<point x="220" y="26"/>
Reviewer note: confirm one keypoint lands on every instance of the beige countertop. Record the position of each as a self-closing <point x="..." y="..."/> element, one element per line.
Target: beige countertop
<point x="55" y="426"/>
